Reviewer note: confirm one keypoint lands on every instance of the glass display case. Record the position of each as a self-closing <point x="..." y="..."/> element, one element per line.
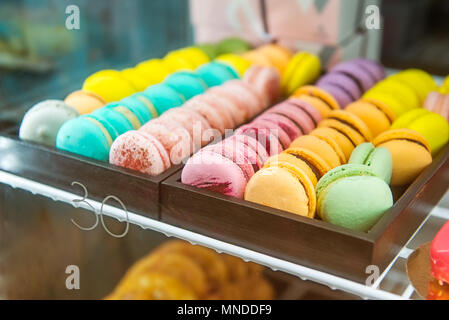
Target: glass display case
<point x="66" y="216"/>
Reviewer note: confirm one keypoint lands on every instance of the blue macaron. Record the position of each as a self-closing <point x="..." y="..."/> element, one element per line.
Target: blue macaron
<point x="163" y="97"/>
<point x="216" y="73"/>
<point x="187" y="83"/>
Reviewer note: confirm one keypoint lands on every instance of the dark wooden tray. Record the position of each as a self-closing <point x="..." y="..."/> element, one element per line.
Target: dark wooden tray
<point x="305" y="241"/>
<point x="139" y="192"/>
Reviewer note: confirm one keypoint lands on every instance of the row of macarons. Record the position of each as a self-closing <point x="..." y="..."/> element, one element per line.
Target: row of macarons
<point x="37" y="126"/>
<point x="341" y="131"/>
<point x="42" y="121"/>
<point x="278" y="127"/>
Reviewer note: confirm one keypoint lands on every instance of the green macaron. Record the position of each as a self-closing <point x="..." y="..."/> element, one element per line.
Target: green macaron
<point x="378" y="159"/>
<point x="353" y="196"/>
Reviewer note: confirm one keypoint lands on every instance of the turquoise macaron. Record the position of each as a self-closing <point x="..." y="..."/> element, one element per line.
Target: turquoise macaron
<point x="378" y="159"/>
<point x="120" y="123"/>
<point x="353" y="196"/>
<point x="88" y="135"/>
<point x="136" y="106"/>
<point x="188" y="84"/>
<point x="163" y="97"/>
<point x="216" y="73"/>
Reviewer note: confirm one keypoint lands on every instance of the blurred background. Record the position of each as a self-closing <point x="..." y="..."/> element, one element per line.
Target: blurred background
<point x="40" y="58"/>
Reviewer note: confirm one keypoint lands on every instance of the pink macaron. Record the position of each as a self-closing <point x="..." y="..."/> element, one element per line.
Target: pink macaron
<point x="297" y="115"/>
<point x="264" y="136"/>
<point x="237" y="113"/>
<point x="225" y="113"/>
<point x="438" y="103"/>
<point x="210" y="113"/>
<point x="253" y="144"/>
<point x="291" y="128"/>
<point x="211" y="171"/>
<point x="173" y="136"/>
<point x="275" y="128"/>
<point x="267" y="81"/>
<point x="193" y="122"/>
<point x="245" y="94"/>
<point x="139" y="151"/>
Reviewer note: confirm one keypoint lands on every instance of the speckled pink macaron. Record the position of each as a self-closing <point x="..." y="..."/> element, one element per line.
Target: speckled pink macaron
<point x="213" y="117"/>
<point x="267" y="81"/>
<point x="237" y="113"/>
<point x="224" y="112"/>
<point x="245" y="94"/>
<point x="139" y="151"/>
<point x="193" y="122"/>
<point x="173" y="136"/>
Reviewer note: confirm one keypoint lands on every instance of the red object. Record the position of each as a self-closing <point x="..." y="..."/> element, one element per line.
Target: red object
<point x="439" y="255"/>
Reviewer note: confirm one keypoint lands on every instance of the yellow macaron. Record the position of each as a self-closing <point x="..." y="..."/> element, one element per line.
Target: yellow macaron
<point x="304" y="68"/>
<point x="109" y="85"/>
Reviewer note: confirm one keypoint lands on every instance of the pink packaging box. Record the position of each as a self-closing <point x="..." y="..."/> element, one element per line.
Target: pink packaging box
<point x="320" y="21"/>
<point x="216" y="19"/>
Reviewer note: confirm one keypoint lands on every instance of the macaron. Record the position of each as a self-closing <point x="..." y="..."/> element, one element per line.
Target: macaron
<point x="403" y="91"/>
<point x="222" y="101"/>
<point x="121" y="118"/>
<point x="431" y="125"/>
<point x="216" y="118"/>
<point x="404" y="145"/>
<point x="188" y="84"/>
<point x="232" y="45"/>
<point x="378" y="159"/>
<point x="353" y="196"/>
<point x="267" y="81"/>
<point x="175" y="139"/>
<point x="127" y="112"/>
<point x="199" y="128"/>
<point x="268" y="139"/>
<point x="138" y="107"/>
<point x="438" y="103"/>
<point x="338" y="136"/>
<point x="419" y="80"/>
<point x="388" y="98"/>
<point x="318" y="98"/>
<point x="245" y="95"/>
<point x="109" y="85"/>
<point x="278" y="55"/>
<point x="140" y="151"/>
<point x="145" y="100"/>
<point x="84" y="101"/>
<point x="89" y="135"/>
<point x="276" y="127"/>
<point x="154" y="70"/>
<point x="135" y="77"/>
<point x="185" y="59"/>
<point x="216" y="73"/>
<point x="210" y="49"/>
<point x="283" y="186"/>
<point x="351" y="120"/>
<point x="355" y="72"/>
<point x="375" y="114"/>
<point x="320" y="147"/>
<point x="343" y="88"/>
<point x="302" y="69"/>
<point x="235" y="61"/>
<point x="317" y="162"/>
<point x="163" y="97"/>
<point x="42" y="121"/>
<point x="226" y="170"/>
<point x="301" y="114"/>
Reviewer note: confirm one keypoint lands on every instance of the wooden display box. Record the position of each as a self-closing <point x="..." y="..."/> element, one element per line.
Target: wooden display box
<point x="139" y="192"/>
<point x="309" y="242"/>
